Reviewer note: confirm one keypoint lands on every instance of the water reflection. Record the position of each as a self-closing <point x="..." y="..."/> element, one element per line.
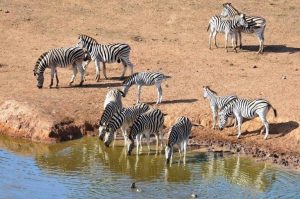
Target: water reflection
<point x="98" y="168"/>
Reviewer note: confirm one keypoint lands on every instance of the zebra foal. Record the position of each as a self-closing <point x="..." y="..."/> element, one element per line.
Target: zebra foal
<point x="228" y="26"/>
<point x="178" y="134"/>
<point x="148" y="123"/>
<point x="249" y="109"/>
<point x="145" y="79"/>
<point x="216" y="102"/>
<point x="62" y="57"/>
<point x="106" y="54"/>
<point x="256" y="25"/>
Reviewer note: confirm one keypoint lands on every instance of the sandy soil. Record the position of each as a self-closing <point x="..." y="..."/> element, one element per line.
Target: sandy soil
<point x="166" y="36"/>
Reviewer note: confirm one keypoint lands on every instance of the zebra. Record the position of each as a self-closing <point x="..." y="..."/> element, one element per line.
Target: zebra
<point x="145" y="79"/>
<point x="124" y="120"/>
<point x="114" y="95"/>
<point x="148" y="123"/>
<point x="246" y="108"/>
<point x="62" y="57"/>
<point x="178" y="134"/>
<point x="216" y="102"/>
<point x="110" y="53"/>
<point x="256" y="25"/>
<point x="228" y="26"/>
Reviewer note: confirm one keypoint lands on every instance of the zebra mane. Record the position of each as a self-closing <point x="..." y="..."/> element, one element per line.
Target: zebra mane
<point x="214" y="92"/>
<point x="229" y="5"/>
<point x="39" y="61"/>
<point x="86" y="37"/>
<point x="129" y="78"/>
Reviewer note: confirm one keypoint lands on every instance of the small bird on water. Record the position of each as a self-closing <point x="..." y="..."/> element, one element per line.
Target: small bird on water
<point x="134" y="188"/>
<point x="193" y="195"/>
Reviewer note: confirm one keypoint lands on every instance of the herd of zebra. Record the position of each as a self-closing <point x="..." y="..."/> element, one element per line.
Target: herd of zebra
<point x="142" y="120"/>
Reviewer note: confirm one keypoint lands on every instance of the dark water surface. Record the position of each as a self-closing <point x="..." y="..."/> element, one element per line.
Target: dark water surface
<point x="86" y="169"/>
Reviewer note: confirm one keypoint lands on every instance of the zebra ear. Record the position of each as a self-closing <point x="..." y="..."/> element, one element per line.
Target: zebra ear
<point x="79" y="35"/>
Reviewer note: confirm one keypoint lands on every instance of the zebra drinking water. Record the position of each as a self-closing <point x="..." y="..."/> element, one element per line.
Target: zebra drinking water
<point x="124" y="120"/>
<point x="178" y="134"/>
<point x="244" y="108"/>
<point x="256" y="25"/>
<point x="216" y="102"/>
<point x="148" y="123"/>
<point x="106" y="54"/>
<point x="228" y="26"/>
<point x="62" y="57"/>
<point x="145" y="79"/>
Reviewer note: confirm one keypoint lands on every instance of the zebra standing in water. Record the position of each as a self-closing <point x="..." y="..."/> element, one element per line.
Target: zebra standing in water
<point x="148" y="123"/>
<point x="106" y="54"/>
<point x="124" y="120"/>
<point x="62" y="57"/>
<point x="256" y="25"/>
<point x="112" y="104"/>
<point x="244" y="108"/>
<point x="178" y="134"/>
<point x="145" y="79"/>
<point x="227" y="26"/>
<point x="216" y="102"/>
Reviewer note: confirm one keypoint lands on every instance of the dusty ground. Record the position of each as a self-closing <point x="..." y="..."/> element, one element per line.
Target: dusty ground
<point x="165" y="36"/>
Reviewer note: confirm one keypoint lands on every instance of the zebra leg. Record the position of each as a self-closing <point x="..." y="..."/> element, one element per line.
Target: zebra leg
<point x="74" y="75"/>
<point x="226" y="39"/>
<point x="124" y="69"/>
<point x="97" y="63"/>
<point x="215" y="38"/>
<point x="104" y="70"/>
<point x="159" y="91"/>
<point x="233" y="41"/>
<point x="52" y="76"/>
<point x="139" y="87"/>
<point x="56" y="76"/>
<point x="266" y="125"/>
<point x="82" y="71"/>
<point x="240" y="38"/>
<point x="239" y="123"/>
<point x="215" y="115"/>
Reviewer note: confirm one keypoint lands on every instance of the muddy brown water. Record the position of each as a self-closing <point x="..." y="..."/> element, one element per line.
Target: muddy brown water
<point x="86" y="169"/>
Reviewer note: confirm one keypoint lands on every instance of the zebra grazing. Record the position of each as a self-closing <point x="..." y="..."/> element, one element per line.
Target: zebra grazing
<point x="216" y="102"/>
<point x="106" y="54"/>
<point x="244" y="108"/>
<point x="228" y="26"/>
<point x="124" y="120"/>
<point x="256" y="25"/>
<point x="145" y="79"/>
<point x="178" y="134"/>
<point x="62" y="57"/>
<point x="148" y="123"/>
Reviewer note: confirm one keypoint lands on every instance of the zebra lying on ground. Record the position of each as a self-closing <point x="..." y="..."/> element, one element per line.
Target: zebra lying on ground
<point x="145" y="79"/>
<point x="228" y="26"/>
<point x="216" y="102"/>
<point x="106" y="54"/>
<point x="148" y="123"/>
<point x="62" y="57"/>
<point x="112" y="104"/>
<point x="124" y="120"/>
<point x="244" y="108"/>
<point x="178" y="134"/>
<point x="256" y="25"/>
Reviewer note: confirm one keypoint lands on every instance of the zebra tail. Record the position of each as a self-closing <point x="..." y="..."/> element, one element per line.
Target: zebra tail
<point x="208" y="27"/>
<point x="274" y="110"/>
<point x="195" y="124"/>
<point x="167" y="76"/>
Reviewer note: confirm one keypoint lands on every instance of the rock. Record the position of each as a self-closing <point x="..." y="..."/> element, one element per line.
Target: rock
<point x="254" y="66"/>
<point x="283" y="77"/>
<point x="6" y="11"/>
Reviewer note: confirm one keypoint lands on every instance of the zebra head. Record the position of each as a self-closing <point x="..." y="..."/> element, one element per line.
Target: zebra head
<point x="229" y="10"/>
<point x="101" y="132"/>
<point x="85" y="41"/>
<point x="208" y="92"/>
<point x="223" y="118"/>
<point x="108" y="139"/>
<point x="242" y="20"/>
<point x="40" y="79"/>
<point x="168" y="153"/>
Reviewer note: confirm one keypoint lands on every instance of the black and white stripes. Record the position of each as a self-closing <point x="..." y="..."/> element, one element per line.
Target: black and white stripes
<point x="145" y="79"/>
<point x="256" y="25"/>
<point x="106" y="54"/>
<point x="178" y="134"/>
<point x="228" y="26"/>
<point x="62" y="57"/>
<point x="248" y="109"/>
